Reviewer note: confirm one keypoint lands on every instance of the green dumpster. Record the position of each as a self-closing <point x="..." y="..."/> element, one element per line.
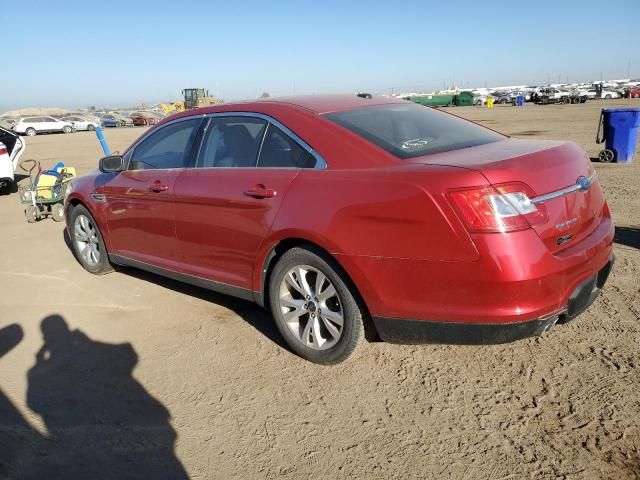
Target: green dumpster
<point x="435" y="100"/>
<point x="464" y="99"/>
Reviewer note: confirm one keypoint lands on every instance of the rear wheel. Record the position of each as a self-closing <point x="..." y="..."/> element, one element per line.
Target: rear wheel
<point x="88" y="244"/>
<point x="575" y="100"/>
<point x="314" y="308"/>
<point x="607" y="96"/>
<point x="606" y="156"/>
<point x="30" y="131"/>
<point x="67" y="129"/>
<point x="91" y="128"/>
<point x="566" y="100"/>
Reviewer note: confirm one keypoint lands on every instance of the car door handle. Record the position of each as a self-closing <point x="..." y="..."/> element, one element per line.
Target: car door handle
<point x="158" y="187"/>
<point x="260" y="191"/>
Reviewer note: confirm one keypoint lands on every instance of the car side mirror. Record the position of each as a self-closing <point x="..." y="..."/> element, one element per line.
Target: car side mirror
<point x="111" y="164"/>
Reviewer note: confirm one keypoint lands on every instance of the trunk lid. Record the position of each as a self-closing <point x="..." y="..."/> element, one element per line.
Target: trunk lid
<point x="549" y="168"/>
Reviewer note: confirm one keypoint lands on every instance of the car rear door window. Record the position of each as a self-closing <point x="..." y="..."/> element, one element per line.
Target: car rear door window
<point x="281" y="151"/>
<point x="168" y="147"/>
<point x="232" y="142"/>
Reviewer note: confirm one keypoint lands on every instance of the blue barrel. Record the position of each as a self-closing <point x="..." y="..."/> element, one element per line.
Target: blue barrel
<point x="619" y="130"/>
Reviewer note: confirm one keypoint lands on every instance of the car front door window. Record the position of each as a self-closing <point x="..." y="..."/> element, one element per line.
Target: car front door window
<point x="167" y="148"/>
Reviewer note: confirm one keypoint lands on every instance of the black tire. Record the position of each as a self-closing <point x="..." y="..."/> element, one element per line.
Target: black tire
<point x="57" y="212"/>
<point x="606" y="156"/>
<point x="31" y="132"/>
<point x="353" y="333"/>
<point x="566" y="100"/>
<point x="608" y="97"/>
<point x="575" y="100"/>
<point x="102" y="266"/>
<point x="91" y="128"/>
<point x="67" y="129"/>
<point x="31" y="213"/>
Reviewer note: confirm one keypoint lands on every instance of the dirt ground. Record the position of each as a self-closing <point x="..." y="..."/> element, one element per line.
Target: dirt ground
<point x="142" y="377"/>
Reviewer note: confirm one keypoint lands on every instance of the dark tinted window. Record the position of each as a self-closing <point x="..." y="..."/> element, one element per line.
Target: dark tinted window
<point x="408" y="130"/>
<point x="166" y="148"/>
<point x="232" y="142"/>
<point x="280" y="150"/>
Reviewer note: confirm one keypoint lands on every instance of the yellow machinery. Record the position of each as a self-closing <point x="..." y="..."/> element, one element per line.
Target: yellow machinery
<point x="169" y="108"/>
<point x="198" y="97"/>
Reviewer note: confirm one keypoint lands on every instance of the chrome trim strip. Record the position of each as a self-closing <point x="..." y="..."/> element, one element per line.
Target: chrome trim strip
<point x="562" y="192"/>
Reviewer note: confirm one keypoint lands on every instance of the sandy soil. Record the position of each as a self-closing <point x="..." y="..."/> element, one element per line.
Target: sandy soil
<point x="153" y="379"/>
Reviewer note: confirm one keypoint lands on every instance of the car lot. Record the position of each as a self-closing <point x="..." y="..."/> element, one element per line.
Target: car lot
<point x="563" y="405"/>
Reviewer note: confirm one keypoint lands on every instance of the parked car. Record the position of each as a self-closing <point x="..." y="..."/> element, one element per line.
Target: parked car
<point x="11" y="149"/>
<point x="114" y="120"/>
<point x="123" y="119"/>
<point x="633" y="93"/>
<point x="8" y="121"/>
<point x="81" y="123"/>
<point x="42" y="124"/>
<point x="140" y="119"/>
<point x="431" y="227"/>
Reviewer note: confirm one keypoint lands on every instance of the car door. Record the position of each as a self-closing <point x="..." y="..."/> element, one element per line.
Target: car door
<point x="225" y="206"/>
<point x="140" y="200"/>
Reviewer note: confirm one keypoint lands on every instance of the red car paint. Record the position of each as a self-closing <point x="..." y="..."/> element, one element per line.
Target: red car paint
<point x="390" y="223"/>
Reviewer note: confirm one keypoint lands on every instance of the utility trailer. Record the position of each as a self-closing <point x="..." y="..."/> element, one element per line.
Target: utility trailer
<point x="551" y="95"/>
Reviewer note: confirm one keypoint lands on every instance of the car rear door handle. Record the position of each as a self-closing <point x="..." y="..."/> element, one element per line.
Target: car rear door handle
<point x="260" y="191"/>
<point x="158" y="187"/>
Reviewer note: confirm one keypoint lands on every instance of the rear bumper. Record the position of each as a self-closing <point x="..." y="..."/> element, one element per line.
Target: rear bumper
<point x="424" y="331"/>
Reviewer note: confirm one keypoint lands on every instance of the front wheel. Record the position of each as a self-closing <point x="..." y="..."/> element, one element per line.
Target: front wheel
<point x="67" y="129"/>
<point x="91" y="128"/>
<point x="313" y="306"/>
<point x="57" y="212"/>
<point x="88" y="244"/>
<point x="608" y="97"/>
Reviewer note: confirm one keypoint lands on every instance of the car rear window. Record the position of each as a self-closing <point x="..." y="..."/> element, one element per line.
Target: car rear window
<point x="409" y="130"/>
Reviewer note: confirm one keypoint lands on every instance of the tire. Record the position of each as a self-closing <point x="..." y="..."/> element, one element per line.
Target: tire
<point x="67" y="129"/>
<point x="636" y="95"/>
<point x="31" y="132"/>
<point x="566" y="100"/>
<point x="91" y="128"/>
<point x="325" y="341"/>
<point x="575" y="100"/>
<point x="31" y="213"/>
<point x="608" y="97"/>
<point x="606" y="156"/>
<point x="57" y="212"/>
<point x="90" y="252"/>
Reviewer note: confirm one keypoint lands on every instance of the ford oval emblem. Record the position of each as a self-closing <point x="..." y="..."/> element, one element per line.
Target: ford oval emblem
<point x="583" y="183"/>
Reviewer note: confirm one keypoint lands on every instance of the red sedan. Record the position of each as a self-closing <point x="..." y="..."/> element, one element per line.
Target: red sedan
<point x="140" y="120"/>
<point x="340" y="211"/>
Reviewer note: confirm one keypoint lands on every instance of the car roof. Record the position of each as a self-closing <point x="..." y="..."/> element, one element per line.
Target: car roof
<point x="317" y="104"/>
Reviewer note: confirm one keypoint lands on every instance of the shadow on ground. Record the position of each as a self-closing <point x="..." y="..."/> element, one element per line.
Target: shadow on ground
<point x="101" y="423"/>
<point x="629" y="236"/>
<point x="257" y="317"/>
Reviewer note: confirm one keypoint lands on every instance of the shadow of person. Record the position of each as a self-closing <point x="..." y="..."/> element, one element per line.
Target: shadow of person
<point x="17" y="439"/>
<point x="102" y="423"/>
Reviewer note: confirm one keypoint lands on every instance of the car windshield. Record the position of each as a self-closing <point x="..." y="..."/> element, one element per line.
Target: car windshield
<point x="409" y="130"/>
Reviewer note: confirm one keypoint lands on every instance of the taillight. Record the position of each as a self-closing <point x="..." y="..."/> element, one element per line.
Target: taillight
<point x="3" y="151"/>
<point x="498" y="208"/>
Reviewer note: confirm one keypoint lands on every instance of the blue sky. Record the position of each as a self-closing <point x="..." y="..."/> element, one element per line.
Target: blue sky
<point x="117" y="53"/>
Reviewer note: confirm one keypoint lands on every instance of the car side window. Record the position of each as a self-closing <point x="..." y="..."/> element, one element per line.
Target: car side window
<point x="231" y="142"/>
<point x="166" y="148"/>
<point x="281" y="151"/>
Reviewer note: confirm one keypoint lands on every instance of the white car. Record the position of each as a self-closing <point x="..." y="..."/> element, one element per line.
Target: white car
<point x="40" y="124"/>
<point x="11" y="148"/>
<point x="592" y="93"/>
<point x="81" y="123"/>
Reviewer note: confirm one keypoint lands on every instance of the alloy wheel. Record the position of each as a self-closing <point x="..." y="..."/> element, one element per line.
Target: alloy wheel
<point x="87" y="242"/>
<point x="311" y="307"/>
